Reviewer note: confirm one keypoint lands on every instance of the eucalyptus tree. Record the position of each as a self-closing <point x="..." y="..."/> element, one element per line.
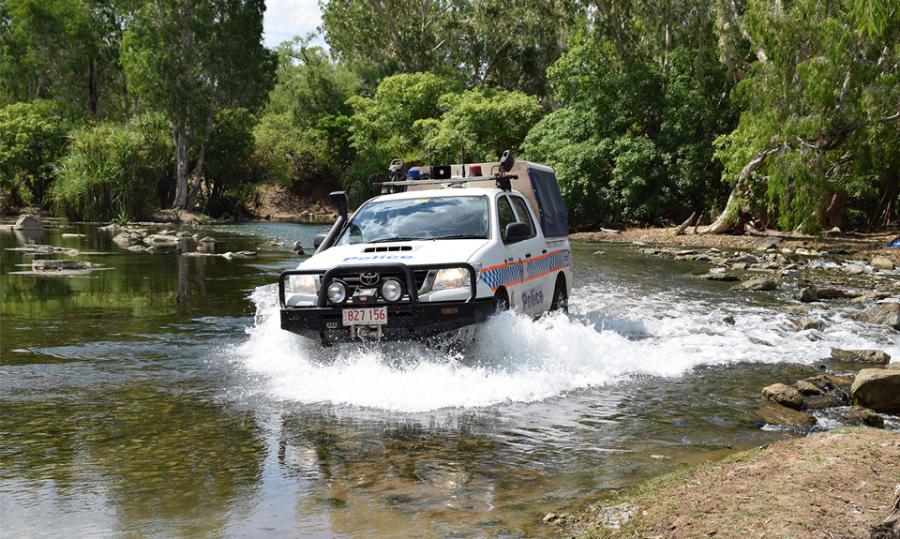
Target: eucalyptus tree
<point x="191" y="59"/>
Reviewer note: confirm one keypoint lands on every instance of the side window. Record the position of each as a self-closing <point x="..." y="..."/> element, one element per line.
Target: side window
<point x="524" y="214"/>
<point x="505" y="215"/>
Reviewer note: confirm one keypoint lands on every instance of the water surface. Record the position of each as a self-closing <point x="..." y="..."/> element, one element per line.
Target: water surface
<point x="160" y="398"/>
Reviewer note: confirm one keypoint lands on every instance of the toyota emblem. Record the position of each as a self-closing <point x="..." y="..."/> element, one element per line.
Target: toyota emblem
<point x="369" y="279"/>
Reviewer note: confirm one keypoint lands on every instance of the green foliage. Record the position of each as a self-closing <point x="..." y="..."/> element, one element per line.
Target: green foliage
<point x="230" y="152"/>
<point x="825" y="98"/>
<point x="112" y="170"/>
<point x="485" y="122"/>
<point x="633" y="140"/>
<point x="33" y="138"/>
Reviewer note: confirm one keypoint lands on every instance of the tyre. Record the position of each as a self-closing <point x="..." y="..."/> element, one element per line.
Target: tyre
<point x="560" y="300"/>
<point x="502" y="300"/>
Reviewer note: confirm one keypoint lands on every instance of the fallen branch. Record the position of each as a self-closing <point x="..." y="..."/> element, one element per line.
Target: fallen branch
<point x="683" y="226"/>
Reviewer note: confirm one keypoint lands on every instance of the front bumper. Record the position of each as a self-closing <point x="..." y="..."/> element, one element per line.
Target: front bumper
<point x="409" y="320"/>
<point x="405" y="321"/>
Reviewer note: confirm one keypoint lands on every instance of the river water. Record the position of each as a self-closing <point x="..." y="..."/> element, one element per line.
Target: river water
<point x="160" y="398"/>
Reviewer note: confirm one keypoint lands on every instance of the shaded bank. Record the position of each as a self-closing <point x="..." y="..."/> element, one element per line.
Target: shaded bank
<point x="834" y="484"/>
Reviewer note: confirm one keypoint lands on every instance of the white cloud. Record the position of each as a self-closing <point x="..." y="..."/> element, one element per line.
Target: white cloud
<point x="286" y="19"/>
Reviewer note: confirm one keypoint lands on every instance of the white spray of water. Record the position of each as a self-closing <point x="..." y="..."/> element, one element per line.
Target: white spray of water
<point x="517" y="359"/>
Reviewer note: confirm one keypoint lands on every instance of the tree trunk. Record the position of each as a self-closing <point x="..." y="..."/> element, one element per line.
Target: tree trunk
<point x="181" y="167"/>
<point x="833" y="216"/>
<point x="728" y="219"/>
<point x="197" y="175"/>
<point x="683" y="226"/>
<point x="92" y="87"/>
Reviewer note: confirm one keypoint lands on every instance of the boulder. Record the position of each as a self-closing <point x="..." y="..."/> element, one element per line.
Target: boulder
<point x="805" y="323"/>
<point x="746" y="259"/>
<point x="28" y="222"/>
<point x="774" y="414"/>
<point x="882" y="313"/>
<point x="206" y="245"/>
<point x="761" y="284"/>
<point x="871" y="297"/>
<point x="59" y="265"/>
<point x="854" y="269"/>
<point x="821" y="402"/>
<point x="878" y="389"/>
<point x="807" y="295"/>
<point x="807" y="388"/>
<point x="857" y="415"/>
<point x="832" y="384"/>
<point x="876" y="357"/>
<point x="784" y="395"/>
<point x="161" y="243"/>
<point x="764" y="244"/>
<point x="297" y="247"/>
<point x="723" y="277"/>
<point x="127" y="239"/>
<point x="827" y="292"/>
<point x="239" y="254"/>
<point x="883" y="263"/>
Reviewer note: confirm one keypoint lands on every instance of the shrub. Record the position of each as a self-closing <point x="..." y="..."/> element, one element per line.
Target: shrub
<point x="112" y="170"/>
<point x="33" y="138"/>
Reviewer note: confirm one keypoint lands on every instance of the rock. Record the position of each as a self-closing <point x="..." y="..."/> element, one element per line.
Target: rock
<point x="616" y="516"/>
<point x="729" y="320"/>
<point x="833" y="231"/>
<point x="70" y="235"/>
<point x="59" y="265"/>
<point x="28" y="222"/>
<point x="762" y="284"/>
<point x="764" y="244"/>
<point x="805" y="323"/>
<point x="112" y="227"/>
<point x="723" y="277"/>
<point x="297" y="247"/>
<point x="238" y="254"/>
<point x="740" y="266"/>
<point x="127" y="239"/>
<point x="746" y="259"/>
<point x="821" y="402"/>
<point x="882" y="263"/>
<point x="206" y="245"/>
<point x="137" y="248"/>
<point x="596" y="253"/>
<point x="871" y="297"/>
<point x="549" y="518"/>
<point x="857" y="415"/>
<point x="184" y="234"/>
<point x="794" y="309"/>
<point x="808" y="295"/>
<point x="827" y="292"/>
<point x="878" y="389"/>
<point x="882" y="313"/>
<point x="832" y="384"/>
<point x="854" y="269"/>
<point x="876" y="357"/>
<point x="784" y="395"/>
<point x="775" y="414"/>
<point x="894" y="366"/>
<point x="807" y="388"/>
<point x="161" y="243"/>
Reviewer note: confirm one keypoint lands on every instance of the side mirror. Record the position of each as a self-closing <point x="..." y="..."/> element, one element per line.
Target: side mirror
<point x="317" y="241"/>
<point x="516" y="232"/>
<point x="507" y="160"/>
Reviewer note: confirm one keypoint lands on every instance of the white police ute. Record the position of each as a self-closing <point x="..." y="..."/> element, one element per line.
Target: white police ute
<point x="443" y="247"/>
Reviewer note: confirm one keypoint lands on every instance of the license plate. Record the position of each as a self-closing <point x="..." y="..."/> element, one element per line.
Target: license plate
<point x="365" y="316"/>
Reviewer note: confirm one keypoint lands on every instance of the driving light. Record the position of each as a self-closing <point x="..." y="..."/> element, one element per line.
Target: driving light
<point x="306" y="285"/>
<point x="391" y="290"/>
<point x="337" y="292"/>
<point x="446" y="279"/>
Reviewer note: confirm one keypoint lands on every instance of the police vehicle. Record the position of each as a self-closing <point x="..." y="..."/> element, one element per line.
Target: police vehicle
<point x="443" y="248"/>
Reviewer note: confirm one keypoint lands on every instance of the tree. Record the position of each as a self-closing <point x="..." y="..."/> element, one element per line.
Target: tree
<point x="65" y="50"/>
<point x="33" y="138"/>
<point x="483" y="122"/>
<point x="191" y="59"/>
<point x="820" y="123"/>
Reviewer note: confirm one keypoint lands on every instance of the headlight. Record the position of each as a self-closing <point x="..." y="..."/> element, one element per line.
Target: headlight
<point x="446" y="279"/>
<point x="391" y="290"/>
<point x="307" y="285"/>
<point x="337" y="292"/>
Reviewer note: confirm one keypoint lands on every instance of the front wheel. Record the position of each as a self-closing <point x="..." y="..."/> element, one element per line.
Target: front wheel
<point x="560" y="300"/>
<point x="502" y="301"/>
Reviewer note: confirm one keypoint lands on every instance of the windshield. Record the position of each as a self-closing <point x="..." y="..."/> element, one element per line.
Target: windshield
<point x="419" y="219"/>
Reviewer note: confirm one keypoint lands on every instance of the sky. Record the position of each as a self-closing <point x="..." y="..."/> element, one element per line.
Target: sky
<point x="285" y="19"/>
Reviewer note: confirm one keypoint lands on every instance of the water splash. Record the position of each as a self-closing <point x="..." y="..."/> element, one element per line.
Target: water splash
<point x="607" y="338"/>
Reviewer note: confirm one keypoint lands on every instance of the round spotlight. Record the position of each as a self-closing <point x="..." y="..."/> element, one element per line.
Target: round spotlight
<point x="391" y="290"/>
<point x="337" y="292"/>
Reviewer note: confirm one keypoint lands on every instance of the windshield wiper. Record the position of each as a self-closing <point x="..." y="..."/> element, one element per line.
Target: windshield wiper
<point x="460" y="237"/>
<point x="385" y="240"/>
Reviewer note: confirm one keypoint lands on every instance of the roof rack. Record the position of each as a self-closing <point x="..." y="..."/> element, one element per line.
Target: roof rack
<point x="501" y="179"/>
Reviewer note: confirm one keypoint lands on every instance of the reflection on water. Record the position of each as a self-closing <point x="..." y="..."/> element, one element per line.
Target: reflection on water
<point x="161" y="399"/>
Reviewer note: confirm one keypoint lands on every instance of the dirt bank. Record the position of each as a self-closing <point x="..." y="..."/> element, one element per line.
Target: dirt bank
<point x="830" y="484"/>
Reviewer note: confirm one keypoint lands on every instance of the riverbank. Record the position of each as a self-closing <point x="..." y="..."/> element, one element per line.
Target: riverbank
<point x="830" y="484"/>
